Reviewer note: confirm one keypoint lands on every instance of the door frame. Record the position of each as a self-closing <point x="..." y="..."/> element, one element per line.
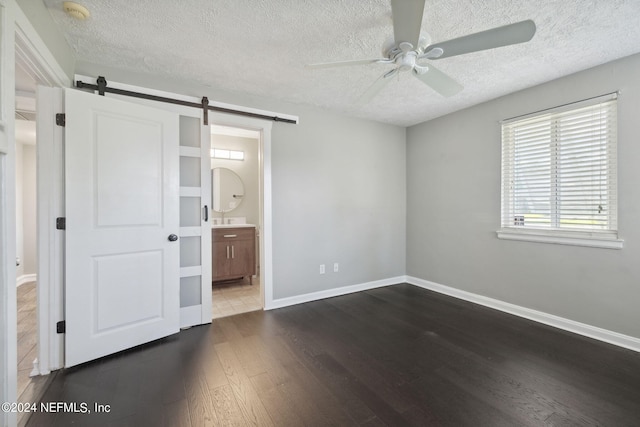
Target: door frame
<point x="263" y="127"/>
<point x="36" y="59"/>
<point x="8" y="302"/>
<point x="19" y="42"/>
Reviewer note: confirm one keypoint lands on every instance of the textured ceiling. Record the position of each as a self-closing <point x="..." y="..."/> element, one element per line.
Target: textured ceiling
<point x="260" y="47"/>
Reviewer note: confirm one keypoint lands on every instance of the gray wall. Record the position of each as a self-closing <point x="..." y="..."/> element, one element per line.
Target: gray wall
<point x="453" y="209"/>
<point x="339" y="195"/>
<point x="339" y="190"/>
<point x="29" y="209"/>
<point x="26" y="209"/>
<point x="19" y="209"/>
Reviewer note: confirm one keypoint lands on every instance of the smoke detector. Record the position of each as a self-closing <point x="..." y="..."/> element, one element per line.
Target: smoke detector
<point x="76" y="10"/>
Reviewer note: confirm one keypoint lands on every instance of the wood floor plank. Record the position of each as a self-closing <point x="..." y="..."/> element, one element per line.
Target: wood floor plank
<point x="277" y="356"/>
<point x="229" y="329"/>
<point x="372" y="398"/>
<point x="282" y="414"/>
<point x="247" y="399"/>
<point x="456" y="407"/>
<point x="286" y="370"/>
<point x="248" y="354"/>
<point x="199" y="400"/>
<point x="313" y="402"/>
<point x="176" y="414"/>
<point x="145" y="416"/>
<point x="212" y="368"/>
<point x="351" y="386"/>
<point x="226" y="408"/>
<point x="557" y="420"/>
<point x="421" y="415"/>
<point x="501" y="392"/>
<point x="217" y="334"/>
<point x="385" y="377"/>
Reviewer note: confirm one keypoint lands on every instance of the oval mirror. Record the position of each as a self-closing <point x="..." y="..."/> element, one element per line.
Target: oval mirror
<point x="227" y="189"/>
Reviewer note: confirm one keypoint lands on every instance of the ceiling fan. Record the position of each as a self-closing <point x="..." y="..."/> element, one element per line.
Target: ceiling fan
<point x="408" y="48"/>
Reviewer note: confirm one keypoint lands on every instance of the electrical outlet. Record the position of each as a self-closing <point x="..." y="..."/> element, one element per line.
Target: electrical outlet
<point x="335" y="267"/>
<point x="321" y="268"/>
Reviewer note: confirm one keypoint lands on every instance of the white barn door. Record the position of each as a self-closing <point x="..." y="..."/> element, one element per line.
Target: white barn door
<point x="122" y="221"/>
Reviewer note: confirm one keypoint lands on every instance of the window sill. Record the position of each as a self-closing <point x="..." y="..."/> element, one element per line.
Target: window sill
<point x="562" y="238"/>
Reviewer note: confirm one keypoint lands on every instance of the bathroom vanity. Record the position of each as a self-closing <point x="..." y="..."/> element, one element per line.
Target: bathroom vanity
<point x="233" y="251"/>
<point x="233" y="240"/>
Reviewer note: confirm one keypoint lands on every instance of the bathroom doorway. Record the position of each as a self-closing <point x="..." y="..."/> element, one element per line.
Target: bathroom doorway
<point x="236" y="219"/>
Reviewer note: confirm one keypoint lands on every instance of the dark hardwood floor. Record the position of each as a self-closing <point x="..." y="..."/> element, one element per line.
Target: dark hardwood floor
<point x="391" y="356"/>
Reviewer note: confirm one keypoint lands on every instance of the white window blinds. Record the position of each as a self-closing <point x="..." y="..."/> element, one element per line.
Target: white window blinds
<point x="559" y="169"/>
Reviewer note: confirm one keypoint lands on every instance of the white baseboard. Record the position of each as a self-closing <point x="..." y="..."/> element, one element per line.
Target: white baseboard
<point x="314" y="296"/>
<point x="26" y="278"/>
<point x="600" y="334"/>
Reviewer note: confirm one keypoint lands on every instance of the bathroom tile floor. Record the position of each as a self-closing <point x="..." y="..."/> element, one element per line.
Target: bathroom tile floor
<point x="236" y="297"/>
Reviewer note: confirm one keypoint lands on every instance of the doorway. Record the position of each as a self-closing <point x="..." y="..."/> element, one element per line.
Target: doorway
<point x="36" y="77"/>
<point x="29" y="384"/>
<point x="236" y="211"/>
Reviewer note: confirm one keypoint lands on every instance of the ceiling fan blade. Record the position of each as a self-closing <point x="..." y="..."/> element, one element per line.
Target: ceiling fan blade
<point x="439" y="81"/>
<point x="519" y="32"/>
<point x="346" y="63"/>
<point x="407" y="20"/>
<point x="377" y="86"/>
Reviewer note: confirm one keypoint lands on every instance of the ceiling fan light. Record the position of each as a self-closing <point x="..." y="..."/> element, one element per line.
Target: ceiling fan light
<point x="406" y="61"/>
<point x="405" y="46"/>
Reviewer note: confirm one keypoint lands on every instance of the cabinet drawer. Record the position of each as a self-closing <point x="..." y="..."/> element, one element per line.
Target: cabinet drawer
<point x="228" y="234"/>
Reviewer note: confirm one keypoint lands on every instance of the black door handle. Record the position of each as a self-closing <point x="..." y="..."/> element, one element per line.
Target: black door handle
<point x="206" y="213"/>
<point x="172" y="237"/>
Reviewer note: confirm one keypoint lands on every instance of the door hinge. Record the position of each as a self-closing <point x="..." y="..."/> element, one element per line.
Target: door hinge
<point x="61" y="223"/>
<point x="61" y="119"/>
<point x="61" y="327"/>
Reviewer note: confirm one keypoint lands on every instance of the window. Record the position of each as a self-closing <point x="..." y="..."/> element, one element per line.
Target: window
<point x="559" y="175"/>
<point x="219" y="153"/>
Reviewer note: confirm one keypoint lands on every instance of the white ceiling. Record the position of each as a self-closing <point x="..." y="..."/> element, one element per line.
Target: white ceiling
<point x="261" y="47"/>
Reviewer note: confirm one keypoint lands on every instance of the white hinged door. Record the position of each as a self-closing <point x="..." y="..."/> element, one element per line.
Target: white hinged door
<point x="122" y="210"/>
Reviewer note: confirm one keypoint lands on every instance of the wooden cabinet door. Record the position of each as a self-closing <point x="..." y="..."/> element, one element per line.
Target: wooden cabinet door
<point x="221" y="264"/>
<point x="242" y="257"/>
